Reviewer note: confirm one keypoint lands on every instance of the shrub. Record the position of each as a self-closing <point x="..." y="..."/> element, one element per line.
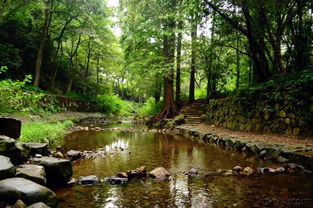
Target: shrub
<point x="150" y="107"/>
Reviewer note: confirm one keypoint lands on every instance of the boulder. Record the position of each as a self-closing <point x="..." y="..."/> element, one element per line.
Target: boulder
<point x="7" y="169"/>
<point x="159" y="173"/>
<point x="122" y="175"/>
<point x="10" y="127"/>
<point x="138" y="172"/>
<point x="6" y="143"/>
<point x="193" y="171"/>
<point x="88" y="180"/>
<point x="38" y="205"/>
<point x="248" y="171"/>
<point x="74" y="155"/>
<point x="19" y="204"/>
<point x="32" y="172"/>
<point x="12" y="189"/>
<point x="58" y="171"/>
<point x="237" y="169"/>
<point x="116" y="180"/>
<point x="37" y="148"/>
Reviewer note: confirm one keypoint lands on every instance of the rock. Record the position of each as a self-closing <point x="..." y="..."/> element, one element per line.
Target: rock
<point x="19" y="204"/>
<point x="58" y="155"/>
<point x="122" y="175"/>
<point x="58" y="171"/>
<point x="296" y="131"/>
<point x="282" y="159"/>
<point x="15" y="151"/>
<point x="193" y="171"/>
<point x="159" y="173"/>
<point x="74" y="155"/>
<point x="116" y="180"/>
<point x="12" y="189"/>
<point x="292" y="167"/>
<point x="271" y="170"/>
<point x="37" y="148"/>
<point x="237" y="169"/>
<point x="31" y="172"/>
<point x="10" y="127"/>
<point x="263" y="170"/>
<point x="38" y="205"/>
<point x="72" y="182"/>
<point x="88" y="180"/>
<point x="139" y="172"/>
<point x="280" y="170"/>
<point x="7" y="169"/>
<point x="248" y="171"/>
<point x="6" y="143"/>
<point x="282" y="114"/>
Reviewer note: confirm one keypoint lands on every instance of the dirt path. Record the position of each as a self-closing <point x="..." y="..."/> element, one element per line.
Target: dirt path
<point x="268" y="138"/>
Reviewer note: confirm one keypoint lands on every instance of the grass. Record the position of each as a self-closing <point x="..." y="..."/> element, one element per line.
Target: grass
<point x="47" y="132"/>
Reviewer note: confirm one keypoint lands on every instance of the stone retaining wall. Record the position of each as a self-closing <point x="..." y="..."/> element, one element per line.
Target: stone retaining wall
<point x="276" y="152"/>
<point x="270" y="112"/>
<point x="70" y="104"/>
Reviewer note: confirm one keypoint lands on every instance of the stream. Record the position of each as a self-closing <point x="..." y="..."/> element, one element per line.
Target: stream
<point x="176" y="154"/>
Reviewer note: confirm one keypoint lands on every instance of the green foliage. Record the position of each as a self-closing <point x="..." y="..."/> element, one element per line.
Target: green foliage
<point x="150" y="107"/>
<point x="13" y="99"/>
<point x="109" y="103"/>
<point x="79" y="96"/>
<point x="45" y="132"/>
<point x="200" y="93"/>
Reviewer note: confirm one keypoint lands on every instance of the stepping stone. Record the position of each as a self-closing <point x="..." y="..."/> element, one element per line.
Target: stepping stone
<point x="88" y="180"/>
<point x="58" y="171"/>
<point x="32" y="172"/>
<point x="29" y="192"/>
<point x="159" y="173"/>
<point x="7" y="169"/>
<point x="37" y="148"/>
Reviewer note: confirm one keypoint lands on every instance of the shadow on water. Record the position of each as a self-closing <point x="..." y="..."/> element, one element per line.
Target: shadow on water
<point x="176" y="154"/>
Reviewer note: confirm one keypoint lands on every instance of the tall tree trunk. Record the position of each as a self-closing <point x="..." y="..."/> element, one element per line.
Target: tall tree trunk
<point x="87" y="65"/>
<point x="193" y="60"/>
<point x="98" y="59"/>
<point x="54" y="63"/>
<point x="237" y="62"/>
<point x="178" y="62"/>
<point x="211" y="57"/>
<point x="42" y="44"/>
<point x="169" y="109"/>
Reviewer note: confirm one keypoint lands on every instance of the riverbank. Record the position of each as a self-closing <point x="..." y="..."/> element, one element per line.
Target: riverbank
<point x="281" y="149"/>
<point x="51" y="128"/>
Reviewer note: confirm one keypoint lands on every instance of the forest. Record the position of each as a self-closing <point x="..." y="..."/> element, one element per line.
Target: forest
<point x="155" y="52"/>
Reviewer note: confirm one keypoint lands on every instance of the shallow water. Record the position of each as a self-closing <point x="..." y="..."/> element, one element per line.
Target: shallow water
<point x="176" y="154"/>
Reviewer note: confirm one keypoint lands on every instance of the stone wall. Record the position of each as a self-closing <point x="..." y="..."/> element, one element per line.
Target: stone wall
<point x="70" y="104"/>
<point x="270" y="111"/>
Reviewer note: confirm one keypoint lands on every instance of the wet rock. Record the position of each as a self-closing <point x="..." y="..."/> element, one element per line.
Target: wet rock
<point x="38" y="155"/>
<point x="139" y="172"/>
<point x="116" y="180"/>
<point x="237" y="169"/>
<point x="292" y="168"/>
<point x="271" y="170"/>
<point x="72" y="182"/>
<point x="38" y="205"/>
<point x="32" y="172"/>
<point x="88" y="180"/>
<point x="193" y="171"/>
<point x="282" y="159"/>
<point x="7" y="169"/>
<point x="280" y="170"/>
<point x="58" y="171"/>
<point x="58" y="155"/>
<point x="122" y="175"/>
<point x="10" y="127"/>
<point x="159" y="173"/>
<point x="19" y="204"/>
<point x="262" y="170"/>
<point x="248" y="171"/>
<point x="37" y="148"/>
<point x="74" y="155"/>
<point x="12" y="149"/>
<point x="12" y="189"/>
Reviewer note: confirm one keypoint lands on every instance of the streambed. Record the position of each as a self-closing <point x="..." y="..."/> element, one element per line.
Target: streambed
<point x="176" y="154"/>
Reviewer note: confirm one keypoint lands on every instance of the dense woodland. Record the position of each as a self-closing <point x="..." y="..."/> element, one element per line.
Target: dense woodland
<point x="168" y="51"/>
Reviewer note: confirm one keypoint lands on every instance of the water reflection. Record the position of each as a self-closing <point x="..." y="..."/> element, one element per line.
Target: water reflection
<point x="176" y="154"/>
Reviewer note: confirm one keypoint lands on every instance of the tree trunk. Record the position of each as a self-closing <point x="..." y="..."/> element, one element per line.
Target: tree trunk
<point x="178" y="62"/>
<point x="237" y="62"/>
<point x="87" y="65"/>
<point x="193" y="60"/>
<point x="98" y="59"/>
<point x="42" y="44"/>
<point x="169" y="109"/>
<point x="54" y="64"/>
